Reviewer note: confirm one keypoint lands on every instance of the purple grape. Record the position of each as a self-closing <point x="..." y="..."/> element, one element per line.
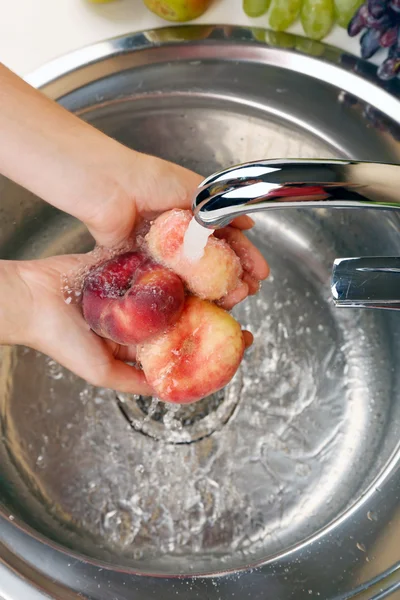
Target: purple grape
<point x="395" y="6"/>
<point x="389" y="69"/>
<point x="380" y="20"/>
<point x="377" y="8"/>
<point x="389" y="37"/>
<point x="359" y="21"/>
<point x="369" y="43"/>
<point x="381" y="24"/>
<point x="394" y="51"/>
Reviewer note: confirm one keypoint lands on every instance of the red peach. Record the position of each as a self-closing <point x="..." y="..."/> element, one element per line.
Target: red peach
<point x="131" y="298"/>
<point x="196" y="357"/>
<point x="211" y="277"/>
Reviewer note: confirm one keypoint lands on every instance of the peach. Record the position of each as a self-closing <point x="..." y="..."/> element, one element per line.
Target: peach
<point x="211" y="277"/>
<point x="196" y="357"/>
<point x="131" y="298"/>
<point x="178" y="10"/>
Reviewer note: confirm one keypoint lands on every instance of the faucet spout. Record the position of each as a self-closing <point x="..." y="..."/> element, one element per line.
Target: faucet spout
<point x="366" y="282"/>
<point x="295" y="183"/>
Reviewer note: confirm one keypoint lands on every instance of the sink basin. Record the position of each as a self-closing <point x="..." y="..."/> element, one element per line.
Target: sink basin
<point x="289" y="475"/>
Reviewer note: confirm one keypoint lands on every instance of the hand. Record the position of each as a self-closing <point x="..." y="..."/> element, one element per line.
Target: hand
<point x="161" y="186"/>
<point x="59" y="330"/>
<point x="111" y="189"/>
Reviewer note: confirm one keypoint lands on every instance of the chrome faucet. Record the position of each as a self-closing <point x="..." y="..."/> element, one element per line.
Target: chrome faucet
<point x="368" y="282"/>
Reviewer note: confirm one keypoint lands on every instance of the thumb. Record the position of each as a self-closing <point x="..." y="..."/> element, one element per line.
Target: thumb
<point x="147" y="186"/>
<point x="164" y="185"/>
<point x="114" y="221"/>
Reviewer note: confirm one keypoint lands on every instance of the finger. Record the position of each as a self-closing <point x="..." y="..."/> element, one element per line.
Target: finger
<point x="121" y="377"/>
<point x="243" y="222"/>
<point x="252" y="283"/>
<point x="124" y="353"/>
<point x="163" y="185"/>
<point x="84" y="353"/>
<point x="248" y="338"/>
<point x="251" y="258"/>
<point x="111" y="373"/>
<point x="234" y="297"/>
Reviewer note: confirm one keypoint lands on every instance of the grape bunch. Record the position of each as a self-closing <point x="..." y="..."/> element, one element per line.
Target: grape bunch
<point x="379" y="22"/>
<point x="317" y="16"/>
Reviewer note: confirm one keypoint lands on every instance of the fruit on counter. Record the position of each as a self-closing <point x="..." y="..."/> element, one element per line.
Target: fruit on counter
<point x="369" y="42"/>
<point x="178" y="34"/>
<point x="255" y="8"/>
<point x="378" y="21"/>
<point x="391" y="66"/>
<point x="178" y="10"/>
<point x="284" y="13"/>
<point x="280" y="38"/>
<point x="214" y="275"/>
<point x="197" y="356"/>
<point x="317" y="18"/>
<point x="130" y="298"/>
<point x="344" y="11"/>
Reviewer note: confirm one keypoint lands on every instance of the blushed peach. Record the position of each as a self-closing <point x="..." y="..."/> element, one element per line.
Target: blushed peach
<point x="213" y="276"/>
<point x="197" y="356"/>
<point x="131" y="298"/>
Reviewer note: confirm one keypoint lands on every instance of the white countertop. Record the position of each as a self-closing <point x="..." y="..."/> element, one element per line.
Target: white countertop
<point x="33" y="32"/>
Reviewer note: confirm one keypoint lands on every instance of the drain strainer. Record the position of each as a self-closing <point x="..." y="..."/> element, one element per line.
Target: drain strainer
<point x="180" y="423"/>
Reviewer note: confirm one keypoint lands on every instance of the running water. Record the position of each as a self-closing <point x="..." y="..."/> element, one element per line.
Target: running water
<point x="195" y="240"/>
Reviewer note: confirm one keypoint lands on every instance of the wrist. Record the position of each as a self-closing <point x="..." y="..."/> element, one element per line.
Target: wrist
<point x="108" y="206"/>
<point x="15" y="305"/>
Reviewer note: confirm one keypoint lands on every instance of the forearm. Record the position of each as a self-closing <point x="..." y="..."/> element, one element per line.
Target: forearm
<point x="56" y="155"/>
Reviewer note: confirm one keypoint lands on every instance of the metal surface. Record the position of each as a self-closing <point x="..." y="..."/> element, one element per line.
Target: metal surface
<point x="369" y="282"/>
<point x="267" y="185"/>
<point x="299" y="478"/>
<point x="261" y="186"/>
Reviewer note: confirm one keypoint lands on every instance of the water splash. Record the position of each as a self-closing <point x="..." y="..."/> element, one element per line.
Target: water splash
<point x="195" y="240"/>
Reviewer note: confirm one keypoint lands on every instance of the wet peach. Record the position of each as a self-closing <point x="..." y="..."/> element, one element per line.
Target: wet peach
<point x="131" y="298"/>
<point x="196" y="357"/>
<point x="211" y="277"/>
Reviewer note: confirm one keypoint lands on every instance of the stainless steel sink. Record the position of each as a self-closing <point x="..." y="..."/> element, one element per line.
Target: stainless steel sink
<point x="286" y="484"/>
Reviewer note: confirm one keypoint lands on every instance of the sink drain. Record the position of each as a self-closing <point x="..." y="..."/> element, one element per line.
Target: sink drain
<point x="180" y="423"/>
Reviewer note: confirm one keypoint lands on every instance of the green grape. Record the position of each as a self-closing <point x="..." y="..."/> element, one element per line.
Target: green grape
<point x="280" y="39"/>
<point x="345" y="10"/>
<point x="284" y="13"/>
<point x="310" y="47"/>
<point x="317" y="17"/>
<point x="255" y="8"/>
<point x="258" y="34"/>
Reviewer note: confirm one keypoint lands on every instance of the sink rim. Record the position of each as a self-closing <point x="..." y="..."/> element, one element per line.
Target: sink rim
<point x="48" y="78"/>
